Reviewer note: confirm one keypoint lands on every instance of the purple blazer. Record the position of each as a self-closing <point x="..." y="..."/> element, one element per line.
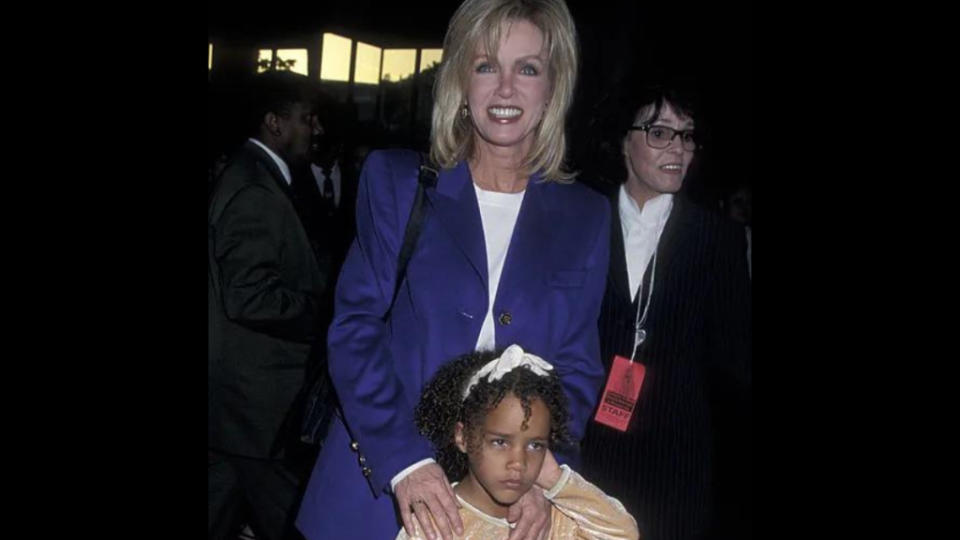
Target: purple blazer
<point x="548" y="302"/>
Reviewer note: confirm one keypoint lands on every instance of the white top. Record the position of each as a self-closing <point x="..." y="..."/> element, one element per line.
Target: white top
<point x="498" y="213"/>
<point x="334" y="177"/>
<point x="641" y="228"/>
<point x="284" y="170"/>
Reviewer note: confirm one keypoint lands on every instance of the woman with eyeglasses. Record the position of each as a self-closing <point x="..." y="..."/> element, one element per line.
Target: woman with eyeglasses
<point x="676" y="310"/>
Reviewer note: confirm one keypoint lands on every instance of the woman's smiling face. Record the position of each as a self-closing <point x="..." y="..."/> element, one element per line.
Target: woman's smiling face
<point x="507" y="94"/>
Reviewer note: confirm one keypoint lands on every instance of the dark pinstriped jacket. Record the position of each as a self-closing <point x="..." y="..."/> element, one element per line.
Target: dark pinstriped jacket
<point x="696" y="391"/>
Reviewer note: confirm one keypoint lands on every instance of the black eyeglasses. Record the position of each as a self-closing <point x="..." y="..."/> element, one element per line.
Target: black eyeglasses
<point x="660" y="136"/>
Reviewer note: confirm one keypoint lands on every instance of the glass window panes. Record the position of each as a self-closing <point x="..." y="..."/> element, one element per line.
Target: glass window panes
<point x="292" y="60"/>
<point x="263" y="60"/>
<point x="398" y="64"/>
<point x="368" y="64"/>
<point x="429" y="57"/>
<point x="335" y="62"/>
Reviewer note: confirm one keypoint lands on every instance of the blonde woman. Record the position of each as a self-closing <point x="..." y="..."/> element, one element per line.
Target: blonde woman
<point x="511" y="251"/>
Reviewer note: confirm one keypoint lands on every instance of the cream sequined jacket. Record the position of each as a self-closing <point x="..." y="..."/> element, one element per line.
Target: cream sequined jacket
<point x="580" y="510"/>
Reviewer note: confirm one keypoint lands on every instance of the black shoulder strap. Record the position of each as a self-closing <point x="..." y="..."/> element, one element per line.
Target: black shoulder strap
<point x="427" y="178"/>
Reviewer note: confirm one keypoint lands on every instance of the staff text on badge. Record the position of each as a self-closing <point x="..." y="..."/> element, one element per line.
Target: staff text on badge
<point x="621" y="393"/>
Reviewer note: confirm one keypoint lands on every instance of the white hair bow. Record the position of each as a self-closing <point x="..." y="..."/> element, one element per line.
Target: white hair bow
<point x="512" y="358"/>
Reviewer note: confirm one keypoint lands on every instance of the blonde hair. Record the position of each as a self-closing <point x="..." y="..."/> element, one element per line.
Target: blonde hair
<point x="479" y="21"/>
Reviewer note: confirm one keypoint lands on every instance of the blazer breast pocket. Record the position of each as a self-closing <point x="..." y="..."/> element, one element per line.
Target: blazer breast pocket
<point x="566" y="279"/>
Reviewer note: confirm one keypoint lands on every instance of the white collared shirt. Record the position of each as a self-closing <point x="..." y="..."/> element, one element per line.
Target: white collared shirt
<point x="641" y="228"/>
<point x="284" y="170"/>
<point x="334" y="177"/>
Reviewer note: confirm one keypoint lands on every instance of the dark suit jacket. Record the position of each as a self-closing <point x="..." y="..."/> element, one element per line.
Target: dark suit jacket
<point x="330" y="228"/>
<point x="263" y="290"/>
<point x="697" y="354"/>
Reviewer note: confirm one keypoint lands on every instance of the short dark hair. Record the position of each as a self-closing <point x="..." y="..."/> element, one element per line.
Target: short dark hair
<point x="276" y="92"/>
<point x="622" y="109"/>
<point x="442" y="405"/>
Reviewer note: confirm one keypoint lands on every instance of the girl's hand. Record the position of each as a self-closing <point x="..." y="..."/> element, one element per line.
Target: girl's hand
<point x="549" y="473"/>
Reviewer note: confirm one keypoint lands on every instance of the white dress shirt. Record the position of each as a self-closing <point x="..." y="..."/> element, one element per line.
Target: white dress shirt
<point x="334" y="177"/>
<point x="284" y="170"/>
<point x="641" y="228"/>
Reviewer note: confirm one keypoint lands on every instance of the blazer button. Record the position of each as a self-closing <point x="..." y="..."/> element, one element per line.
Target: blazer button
<point x="362" y="460"/>
<point x="366" y="471"/>
<point x="505" y="318"/>
<point x="355" y="446"/>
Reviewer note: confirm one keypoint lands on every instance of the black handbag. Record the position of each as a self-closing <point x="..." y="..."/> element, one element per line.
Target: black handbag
<point x="320" y="403"/>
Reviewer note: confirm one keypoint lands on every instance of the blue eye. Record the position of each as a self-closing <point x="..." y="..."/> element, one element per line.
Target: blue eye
<point x="529" y="69"/>
<point x="484" y="68"/>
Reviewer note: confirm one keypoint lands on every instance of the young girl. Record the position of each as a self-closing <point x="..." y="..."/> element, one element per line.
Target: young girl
<point x="492" y="420"/>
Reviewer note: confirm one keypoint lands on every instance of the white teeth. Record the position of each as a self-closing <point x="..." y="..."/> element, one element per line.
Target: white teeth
<point x="671" y="167"/>
<point x="505" y="112"/>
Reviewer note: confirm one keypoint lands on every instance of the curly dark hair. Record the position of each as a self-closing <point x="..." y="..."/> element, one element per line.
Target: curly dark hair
<point x="441" y="406"/>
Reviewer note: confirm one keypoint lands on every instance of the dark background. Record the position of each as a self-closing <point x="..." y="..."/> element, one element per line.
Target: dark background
<point x="706" y="47"/>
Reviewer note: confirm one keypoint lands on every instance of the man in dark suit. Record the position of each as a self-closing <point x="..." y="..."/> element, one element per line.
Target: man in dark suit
<point x="264" y="287"/>
<point x="325" y="189"/>
<point x="324" y="193"/>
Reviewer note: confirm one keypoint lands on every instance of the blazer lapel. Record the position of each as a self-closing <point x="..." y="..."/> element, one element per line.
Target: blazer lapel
<point x="525" y="256"/>
<point x="455" y="204"/>
<point x="672" y="237"/>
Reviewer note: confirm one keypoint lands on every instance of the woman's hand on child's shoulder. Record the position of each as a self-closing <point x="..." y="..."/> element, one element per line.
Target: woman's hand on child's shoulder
<point x="424" y="494"/>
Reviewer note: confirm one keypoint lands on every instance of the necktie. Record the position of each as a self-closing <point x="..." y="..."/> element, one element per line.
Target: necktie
<point x="327" y="184"/>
